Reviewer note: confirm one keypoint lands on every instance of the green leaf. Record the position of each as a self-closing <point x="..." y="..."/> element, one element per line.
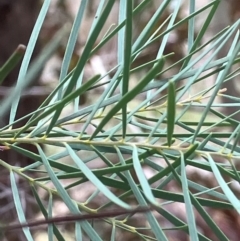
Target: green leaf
<point x="229" y="194"/>
<point x="44" y="212"/>
<point x="91" y="177"/>
<point x="11" y="63"/>
<point x="188" y="204"/>
<point x="34" y="69"/>
<point x="59" y="106"/>
<point x="130" y="95"/>
<point x="127" y="51"/>
<point x="18" y="205"/>
<point x="29" y="51"/>
<point x="171" y="109"/>
<point x="157" y="230"/>
<point x="66" y="198"/>
<point x="142" y="179"/>
<point x="88" y="47"/>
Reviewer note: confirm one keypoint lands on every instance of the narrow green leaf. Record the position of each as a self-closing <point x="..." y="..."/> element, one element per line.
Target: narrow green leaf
<point x="127" y="52"/>
<point x="171" y="110"/>
<point x="34" y="156"/>
<point x="72" y="40"/>
<point x="78" y="230"/>
<point x="29" y="51"/>
<point x="155" y="227"/>
<point x="69" y="98"/>
<point x="50" y="226"/>
<point x="177" y="222"/>
<point x="99" y="172"/>
<point x="110" y="165"/>
<point x="11" y="63"/>
<point x="59" y="105"/>
<point x="212" y="225"/>
<point x="91" y="177"/>
<point x="113" y="233"/>
<point x="62" y="192"/>
<point x="130" y="95"/>
<point x="208" y="191"/>
<point x="18" y="205"/>
<point x="34" y="69"/>
<point x="188" y="204"/>
<point x="202" y="32"/>
<point x="233" y="53"/>
<point x="45" y="214"/>
<point x="191" y="25"/>
<point x="175" y="164"/>
<point x="229" y="194"/>
<point x="141" y="40"/>
<point x="66" y="198"/>
<point x="136" y="11"/>
<point x="50" y="100"/>
<point x="142" y="179"/>
<point x="88" y="47"/>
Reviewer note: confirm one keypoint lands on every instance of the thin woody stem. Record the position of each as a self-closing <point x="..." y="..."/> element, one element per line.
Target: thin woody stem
<point x="74" y="218"/>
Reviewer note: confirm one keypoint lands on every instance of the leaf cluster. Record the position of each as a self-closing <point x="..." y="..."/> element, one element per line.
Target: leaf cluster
<point x="153" y="135"/>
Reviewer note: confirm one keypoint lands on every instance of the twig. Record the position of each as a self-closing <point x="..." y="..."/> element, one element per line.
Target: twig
<point x="74" y="218"/>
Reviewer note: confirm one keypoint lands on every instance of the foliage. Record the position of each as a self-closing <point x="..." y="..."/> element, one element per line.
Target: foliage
<point x="129" y="129"/>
